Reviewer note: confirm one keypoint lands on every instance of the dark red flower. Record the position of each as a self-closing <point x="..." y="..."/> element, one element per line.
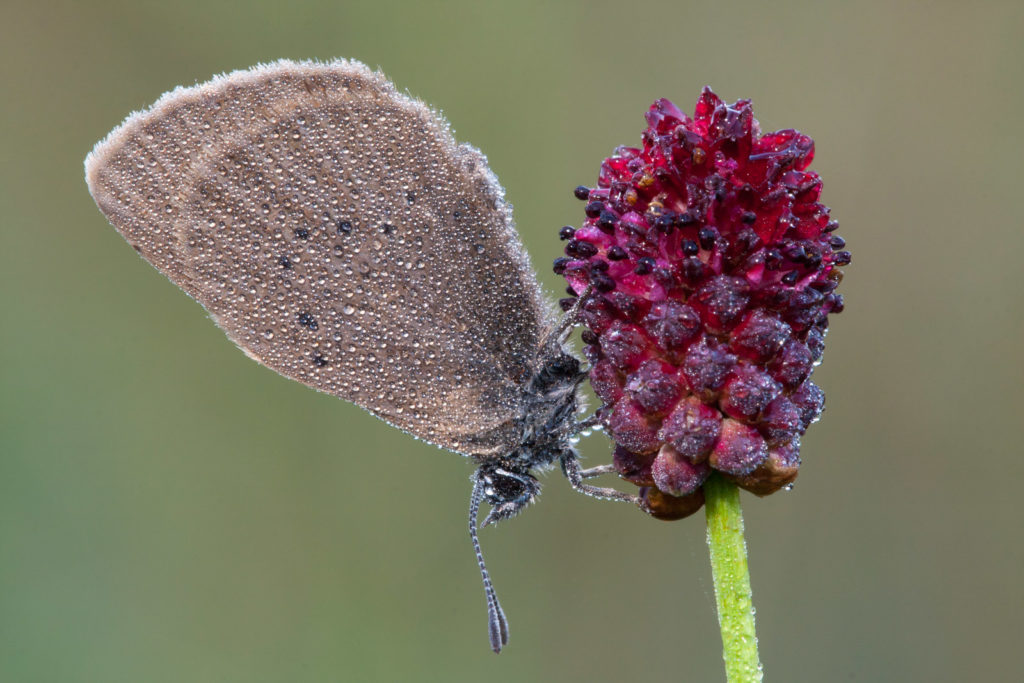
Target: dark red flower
<point x="710" y="269"/>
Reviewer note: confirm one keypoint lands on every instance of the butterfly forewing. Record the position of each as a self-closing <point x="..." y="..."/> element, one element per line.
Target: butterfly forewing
<point x="339" y="235"/>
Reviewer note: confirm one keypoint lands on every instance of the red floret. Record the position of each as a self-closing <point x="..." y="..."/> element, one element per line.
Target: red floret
<point x="709" y="269"/>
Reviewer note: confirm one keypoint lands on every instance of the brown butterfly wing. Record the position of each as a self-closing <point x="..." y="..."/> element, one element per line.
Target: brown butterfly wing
<point x="340" y="236"/>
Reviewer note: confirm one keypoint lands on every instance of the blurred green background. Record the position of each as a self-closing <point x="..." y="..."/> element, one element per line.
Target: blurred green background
<point x="170" y="511"/>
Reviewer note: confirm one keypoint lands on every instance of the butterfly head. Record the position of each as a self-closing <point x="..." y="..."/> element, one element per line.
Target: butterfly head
<point x="506" y="488"/>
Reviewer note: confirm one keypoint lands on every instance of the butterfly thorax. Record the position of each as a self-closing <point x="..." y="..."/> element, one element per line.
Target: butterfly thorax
<point x="548" y="419"/>
<point x="549" y="408"/>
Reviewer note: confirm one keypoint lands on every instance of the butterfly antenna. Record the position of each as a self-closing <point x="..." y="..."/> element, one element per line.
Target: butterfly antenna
<point x="497" y="624"/>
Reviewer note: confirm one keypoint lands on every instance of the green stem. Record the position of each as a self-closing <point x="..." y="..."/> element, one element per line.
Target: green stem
<point x="732" y="580"/>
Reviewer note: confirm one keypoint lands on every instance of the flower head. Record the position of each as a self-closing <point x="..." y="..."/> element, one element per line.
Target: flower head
<point x="708" y="268"/>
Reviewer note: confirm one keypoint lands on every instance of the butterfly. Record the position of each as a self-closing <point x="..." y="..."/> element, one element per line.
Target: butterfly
<point x="337" y="232"/>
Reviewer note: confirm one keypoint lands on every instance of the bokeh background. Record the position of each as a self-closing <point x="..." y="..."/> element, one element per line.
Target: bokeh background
<point x="170" y="511"/>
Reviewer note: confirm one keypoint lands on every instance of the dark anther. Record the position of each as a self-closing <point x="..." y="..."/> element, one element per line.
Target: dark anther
<point x="832" y="226"/>
<point x="582" y="192"/>
<point x="689" y="247"/>
<point x="598" y="266"/>
<point x="606" y="221"/>
<point x="806" y="298"/>
<point x="707" y="238"/>
<point x="617" y="253"/>
<point x="748" y="217"/>
<point x="589" y="337"/>
<point x="664" y="223"/>
<point x="837" y="242"/>
<point x="790" y="278"/>
<point x="594" y="209"/>
<point x="566" y="233"/>
<point x="567" y="303"/>
<point x="285" y="262"/>
<point x="686" y="218"/>
<point x="559" y="265"/>
<point x="576" y="269"/>
<point x="602" y="282"/>
<point x="772" y="259"/>
<point x="302" y="233"/>
<point x="580" y="249"/>
<point x="644" y="266"/>
<point x="841" y="258"/>
<point x="344" y="227"/>
<point x="824" y="286"/>
<point x="307" y="320"/>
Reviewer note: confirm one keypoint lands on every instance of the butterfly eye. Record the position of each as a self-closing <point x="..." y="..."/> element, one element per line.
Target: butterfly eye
<point x="504" y="487"/>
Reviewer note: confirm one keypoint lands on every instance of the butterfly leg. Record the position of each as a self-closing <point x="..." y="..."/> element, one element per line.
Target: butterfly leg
<point x="575" y="474"/>
<point x="583" y="425"/>
<point x="591" y="472"/>
<point x="569" y="320"/>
